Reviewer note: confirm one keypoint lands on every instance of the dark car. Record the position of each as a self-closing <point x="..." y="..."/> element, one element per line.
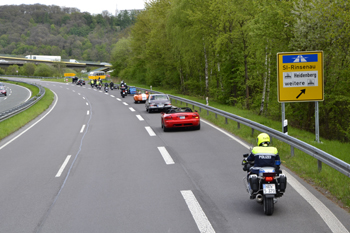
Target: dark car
<point x="3" y="90"/>
<point x="156" y="102"/>
<point x="81" y="82"/>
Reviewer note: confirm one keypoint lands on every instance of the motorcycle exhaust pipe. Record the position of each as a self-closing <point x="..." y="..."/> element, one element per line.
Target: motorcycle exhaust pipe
<point x="259" y="198"/>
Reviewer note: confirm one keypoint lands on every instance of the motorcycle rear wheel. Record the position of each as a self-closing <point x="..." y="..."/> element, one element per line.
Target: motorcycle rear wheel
<point x="268" y="205"/>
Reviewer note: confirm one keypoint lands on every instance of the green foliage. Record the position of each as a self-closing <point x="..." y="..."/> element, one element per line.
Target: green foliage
<point x="52" y="30"/>
<point x="2" y="71"/>
<point x="226" y="50"/>
<point x="45" y="71"/>
<point x="12" y="70"/>
<point x="29" y="69"/>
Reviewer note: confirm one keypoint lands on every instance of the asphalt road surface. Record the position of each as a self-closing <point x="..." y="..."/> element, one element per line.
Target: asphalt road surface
<point x="16" y="95"/>
<point x="96" y="162"/>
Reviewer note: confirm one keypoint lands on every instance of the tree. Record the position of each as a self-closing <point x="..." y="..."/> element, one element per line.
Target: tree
<point x="29" y="69"/>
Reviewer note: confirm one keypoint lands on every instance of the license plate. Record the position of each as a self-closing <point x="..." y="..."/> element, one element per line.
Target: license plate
<point x="182" y="117"/>
<point x="160" y="105"/>
<point x="269" y="188"/>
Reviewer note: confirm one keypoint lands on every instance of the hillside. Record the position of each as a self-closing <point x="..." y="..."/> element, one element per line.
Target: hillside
<point x="54" y="30"/>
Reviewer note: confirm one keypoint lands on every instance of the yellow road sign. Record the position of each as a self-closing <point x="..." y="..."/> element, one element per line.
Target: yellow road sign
<point x="300" y="76"/>
<point x="68" y="74"/>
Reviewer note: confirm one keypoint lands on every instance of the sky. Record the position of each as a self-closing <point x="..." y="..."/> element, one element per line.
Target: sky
<point x="94" y="7"/>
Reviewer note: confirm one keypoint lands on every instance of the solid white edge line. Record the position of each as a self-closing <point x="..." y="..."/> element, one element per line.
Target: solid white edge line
<point x="229" y="135"/>
<point x="166" y="156"/>
<point x="140" y="117"/>
<point x="131" y="109"/>
<point x="82" y="129"/>
<point x="63" y="166"/>
<point x="328" y="217"/>
<point x="32" y="124"/>
<point x="150" y="131"/>
<point x="203" y="224"/>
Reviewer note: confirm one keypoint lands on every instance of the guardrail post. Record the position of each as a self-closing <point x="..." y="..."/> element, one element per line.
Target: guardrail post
<point x="252" y="132"/>
<point x="200" y="109"/>
<point x="226" y="121"/>
<point x="238" y="125"/>
<point x="193" y="106"/>
<point x="186" y="104"/>
<point x="216" y="115"/>
<point x="292" y="151"/>
<point x="319" y="165"/>
<point x="207" y="112"/>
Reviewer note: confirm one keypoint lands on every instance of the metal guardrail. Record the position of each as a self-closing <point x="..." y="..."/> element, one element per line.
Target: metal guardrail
<point x="320" y="155"/>
<point x="21" y="107"/>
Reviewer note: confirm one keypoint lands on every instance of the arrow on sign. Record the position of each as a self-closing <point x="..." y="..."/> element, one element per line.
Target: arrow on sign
<point x="302" y="92"/>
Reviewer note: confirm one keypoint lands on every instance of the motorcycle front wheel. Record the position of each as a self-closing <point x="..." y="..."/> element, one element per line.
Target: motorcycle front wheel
<point x="268" y="205"/>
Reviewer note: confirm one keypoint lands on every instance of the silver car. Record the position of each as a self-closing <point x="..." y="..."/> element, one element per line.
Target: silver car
<point x="156" y="102"/>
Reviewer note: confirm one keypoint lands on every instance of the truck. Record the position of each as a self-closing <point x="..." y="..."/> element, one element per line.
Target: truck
<point x="73" y="60"/>
<point x="44" y="58"/>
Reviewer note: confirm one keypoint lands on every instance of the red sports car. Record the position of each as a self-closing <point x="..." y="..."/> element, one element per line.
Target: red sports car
<point x="3" y="91"/>
<point x="180" y="118"/>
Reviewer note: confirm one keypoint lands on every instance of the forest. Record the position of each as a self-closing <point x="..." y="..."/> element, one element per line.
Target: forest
<point x="53" y="30"/>
<point x="227" y="50"/>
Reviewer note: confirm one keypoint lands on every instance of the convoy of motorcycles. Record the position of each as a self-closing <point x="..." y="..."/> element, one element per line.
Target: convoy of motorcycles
<point x="123" y="87"/>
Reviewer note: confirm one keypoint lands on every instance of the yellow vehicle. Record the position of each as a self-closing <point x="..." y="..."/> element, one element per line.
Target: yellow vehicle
<point x="97" y="75"/>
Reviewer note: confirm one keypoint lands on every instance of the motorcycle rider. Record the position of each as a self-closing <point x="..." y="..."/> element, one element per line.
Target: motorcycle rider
<point x="92" y="82"/>
<point x="262" y="155"/>
<point x="122" y="87"/>
<point x="111" y="84"/>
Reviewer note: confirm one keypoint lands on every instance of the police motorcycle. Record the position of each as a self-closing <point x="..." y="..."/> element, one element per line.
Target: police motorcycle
<point x="106" y="88"/>
<point x="266" y="186"/>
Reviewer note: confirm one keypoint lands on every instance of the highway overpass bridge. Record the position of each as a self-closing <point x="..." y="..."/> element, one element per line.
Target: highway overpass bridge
<point x="6" y="60"/>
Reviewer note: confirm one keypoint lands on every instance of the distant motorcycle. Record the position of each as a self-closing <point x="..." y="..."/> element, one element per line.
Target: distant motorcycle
<point x="265" y="187"/>
<point x="106" y="89"/>
<point x="123" y="92"/>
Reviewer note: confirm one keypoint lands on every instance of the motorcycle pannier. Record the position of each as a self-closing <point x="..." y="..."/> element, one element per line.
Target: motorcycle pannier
<point x="254" y="183"/>
<point x="283" y="182"/>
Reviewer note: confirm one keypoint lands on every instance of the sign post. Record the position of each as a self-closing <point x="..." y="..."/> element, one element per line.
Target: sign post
<point x="300" y="79"/>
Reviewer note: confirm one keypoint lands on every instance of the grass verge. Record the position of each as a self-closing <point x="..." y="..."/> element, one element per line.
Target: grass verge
<point x="32" y="88"/>
<point x="16" y="122"/>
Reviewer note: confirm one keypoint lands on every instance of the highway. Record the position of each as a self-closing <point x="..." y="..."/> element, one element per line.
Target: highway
<point x="96" y="162"/>
<point x="16" y="95"/>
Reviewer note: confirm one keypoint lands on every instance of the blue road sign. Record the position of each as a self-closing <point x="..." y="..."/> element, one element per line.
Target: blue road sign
<point x="300" y="58"/>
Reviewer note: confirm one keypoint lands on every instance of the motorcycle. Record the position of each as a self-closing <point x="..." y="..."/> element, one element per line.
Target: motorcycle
<point x="123" y="93"/>
<point x="106" y="89"/>
<point x="266" y="187"/>
<point x="112" y="88"/>
<point x="99" y="87"/>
